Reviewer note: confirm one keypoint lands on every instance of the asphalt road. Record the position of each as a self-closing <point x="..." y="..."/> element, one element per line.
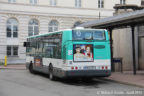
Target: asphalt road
<point x="23" y="83"/>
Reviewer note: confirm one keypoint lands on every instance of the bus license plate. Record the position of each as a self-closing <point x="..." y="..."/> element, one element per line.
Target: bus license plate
<point x="89" y="67"/>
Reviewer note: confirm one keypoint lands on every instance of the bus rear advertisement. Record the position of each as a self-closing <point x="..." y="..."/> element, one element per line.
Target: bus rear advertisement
<point x="70" y="53"/>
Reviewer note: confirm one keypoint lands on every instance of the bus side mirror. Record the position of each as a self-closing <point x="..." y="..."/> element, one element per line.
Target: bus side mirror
<point x="26" y="44"/>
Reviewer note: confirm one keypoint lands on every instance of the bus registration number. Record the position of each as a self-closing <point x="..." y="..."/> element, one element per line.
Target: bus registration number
<point x="89" y="67"/>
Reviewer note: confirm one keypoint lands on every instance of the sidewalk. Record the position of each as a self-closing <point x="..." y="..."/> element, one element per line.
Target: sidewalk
<point x="15" y="67"/>
<point x="127" y="77"/>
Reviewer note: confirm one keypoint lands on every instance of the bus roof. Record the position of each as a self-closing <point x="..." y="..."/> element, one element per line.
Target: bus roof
<point x="35" y="36"/>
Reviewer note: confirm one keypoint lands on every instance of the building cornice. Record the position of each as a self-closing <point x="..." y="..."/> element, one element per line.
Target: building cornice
<point x="48" y="6"/>
<point x="48" y="14"/>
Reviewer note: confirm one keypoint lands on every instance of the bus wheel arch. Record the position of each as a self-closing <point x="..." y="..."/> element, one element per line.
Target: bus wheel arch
<point x="31" y="70"/>
<point x="31" y="62"/>
<point x="51" y="75"/>
<point x="50" y="64"/>
<point x="31" y="67"/>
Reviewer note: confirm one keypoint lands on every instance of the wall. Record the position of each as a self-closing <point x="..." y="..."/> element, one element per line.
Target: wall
<point x="137" y="2"/>
<point x="122" y="47"/>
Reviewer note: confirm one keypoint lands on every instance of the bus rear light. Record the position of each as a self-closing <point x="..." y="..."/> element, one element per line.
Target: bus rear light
<point x="76" y="68"/>
<point x="102" y="67"/>
<point x="106" y="67"/>
<point x="72" y="68"/>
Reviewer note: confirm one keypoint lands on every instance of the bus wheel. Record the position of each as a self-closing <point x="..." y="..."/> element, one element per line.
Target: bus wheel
<point x="51" y="76"/>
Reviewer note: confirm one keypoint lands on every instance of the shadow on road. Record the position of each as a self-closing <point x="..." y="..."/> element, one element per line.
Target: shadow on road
<point x="90" y="83"/>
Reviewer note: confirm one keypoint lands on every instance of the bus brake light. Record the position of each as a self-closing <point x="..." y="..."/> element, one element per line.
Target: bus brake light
<point x="72" y="68"/>
<point x="106" y="67"/>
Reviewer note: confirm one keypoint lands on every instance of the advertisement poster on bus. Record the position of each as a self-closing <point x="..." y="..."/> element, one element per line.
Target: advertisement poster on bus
<point x="38" y="62"/>
<point x="83" y="52"/>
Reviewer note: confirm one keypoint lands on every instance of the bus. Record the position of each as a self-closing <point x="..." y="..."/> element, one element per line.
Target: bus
<point x="70" y="53"/>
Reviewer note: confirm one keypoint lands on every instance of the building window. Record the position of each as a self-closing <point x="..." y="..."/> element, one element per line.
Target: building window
<point x="53" y="26"/>
<point x="12" y="28"/>
<point x="100" y="3"/>
<point x="142" y="2"/>
<point x="12" y="50"/>
<point x="122" y="2"/>
<point x="33" y="27"/>
<point x="53" y="2"/>
<point x="33" y="2"/>
<point x="11" y="1"/>
<point x="76" y="24"/>
<point x="78" y="3"/>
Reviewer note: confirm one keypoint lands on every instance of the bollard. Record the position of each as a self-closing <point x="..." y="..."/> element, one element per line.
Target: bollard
<point x="5" y="61"/>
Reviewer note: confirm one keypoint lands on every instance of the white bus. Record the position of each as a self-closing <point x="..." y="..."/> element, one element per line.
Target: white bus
<point x="70" y="53"/>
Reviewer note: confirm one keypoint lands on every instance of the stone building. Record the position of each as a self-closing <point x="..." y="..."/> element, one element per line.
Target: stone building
<point x="22" y="18"/>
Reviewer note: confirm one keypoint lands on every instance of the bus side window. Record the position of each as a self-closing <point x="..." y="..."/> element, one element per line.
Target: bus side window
<point x="26" y="44"/>
<point x="33" y="46"/>
<point x="52" y="46"/>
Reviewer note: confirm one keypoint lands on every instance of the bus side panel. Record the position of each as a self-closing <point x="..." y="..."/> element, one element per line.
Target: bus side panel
<point x="67" y="36"/>
<point x="56" y="63"/>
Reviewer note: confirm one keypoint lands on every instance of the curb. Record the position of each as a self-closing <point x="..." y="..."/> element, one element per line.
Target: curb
<point x="12" y="69"/>
<point x="127" y="83"/>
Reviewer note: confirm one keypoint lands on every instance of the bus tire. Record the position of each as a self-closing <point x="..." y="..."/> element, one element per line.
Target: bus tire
<point x="51" y="76"/>
<point x="31" y="68"/>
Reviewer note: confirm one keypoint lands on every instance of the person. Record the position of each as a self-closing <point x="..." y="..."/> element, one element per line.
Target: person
<point x="88" y="52"/>
<point x="78" y="55"/>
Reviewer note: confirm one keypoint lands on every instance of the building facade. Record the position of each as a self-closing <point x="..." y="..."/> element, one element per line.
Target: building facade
<point x="22" y="18"/>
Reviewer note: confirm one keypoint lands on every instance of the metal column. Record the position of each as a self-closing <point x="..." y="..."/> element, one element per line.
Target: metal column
<point x="133" y="48"/>
<point x="111" y="45"/>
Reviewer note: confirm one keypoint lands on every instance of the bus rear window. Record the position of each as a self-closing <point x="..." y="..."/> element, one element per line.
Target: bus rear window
<point x="88" y="35"/>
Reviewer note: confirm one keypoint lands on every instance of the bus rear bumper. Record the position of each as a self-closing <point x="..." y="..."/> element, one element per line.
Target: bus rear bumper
<point x="87" y="73"/>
